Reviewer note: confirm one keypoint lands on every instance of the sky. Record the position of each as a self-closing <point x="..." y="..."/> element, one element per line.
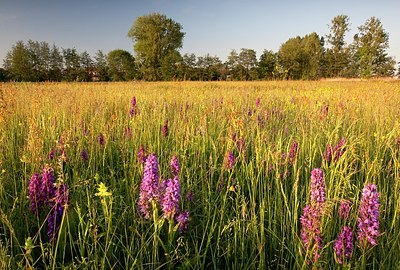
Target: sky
<point x="214" y="27"/>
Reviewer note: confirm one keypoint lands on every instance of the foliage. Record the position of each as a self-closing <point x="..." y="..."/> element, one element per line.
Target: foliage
<point x="338" y="55"/>
<point x="56" y="64"/>
<point x="18" y="63"/>
<point x="248" y="64"/>
<point x="371" y="44"/>
<point x="121" y="65"/>
<point x="3" y="75"/>
<point x="155" y="38"/>
<point x="243" y="66"/>
<point x="267" y="65"/>
<point x="188" y="67"/>
<point x="101" y="66"/>
<point x="301" y="57"/>
<point x="208" y="67"/>
<point x="72" y="69"/>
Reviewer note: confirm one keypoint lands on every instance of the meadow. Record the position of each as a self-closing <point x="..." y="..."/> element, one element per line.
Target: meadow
<point x="246" y="152"/>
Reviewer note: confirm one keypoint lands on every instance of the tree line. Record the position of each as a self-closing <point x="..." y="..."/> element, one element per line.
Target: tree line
<point x="157" y="40"/>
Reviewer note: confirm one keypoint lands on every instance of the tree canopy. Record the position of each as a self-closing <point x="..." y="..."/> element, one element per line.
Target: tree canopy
<point x="338" y="54"/>
<point x="157" y="40"/>
<point x="371" y="44"/>
<point x="121" y="65"/>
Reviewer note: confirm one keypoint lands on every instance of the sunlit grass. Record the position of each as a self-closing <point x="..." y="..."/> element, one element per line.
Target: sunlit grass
<point x="244" y="217"/>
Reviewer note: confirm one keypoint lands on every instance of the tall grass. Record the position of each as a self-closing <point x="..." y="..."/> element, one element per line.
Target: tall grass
<point x="245" y="217"/>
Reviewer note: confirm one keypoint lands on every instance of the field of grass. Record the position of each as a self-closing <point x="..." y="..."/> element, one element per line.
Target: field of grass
<point x="246" y="152"/>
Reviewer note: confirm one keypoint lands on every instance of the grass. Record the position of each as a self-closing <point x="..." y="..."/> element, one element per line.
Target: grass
<point x="247" y="217"/>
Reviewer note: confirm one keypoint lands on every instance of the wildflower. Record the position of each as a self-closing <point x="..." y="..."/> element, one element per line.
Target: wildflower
<point x="133" y="109"/>
<point x="149" y="187"/>
<point x="164" y="129"/>
<point x="100" y="139"/>
<point x="260" y="121"/>
<point x="141" y="154"/>
<point x="47" y="184"/>
<point x="229" y="160"/>
<point x="84" y="155"/>
<point x="60" y="201"/>
<point x="344" y="209"/>
<point x="102" y="191"/>
<point x="368" y="219"/>
<point x="51" y="154"/>
<point x="328" y="153"/>
<point x="36" y="200"/>
<point x="41" y="189"/>
<point x="343" y="245"/>
<point x="334" y="153"/>
<point x="258" y="102"/>
<point x="174" y="166"/>
<point x="133" y="102"/>
<point x="311" y="218"/>
<point x="171" y="197"/>
<point x="182" y="219"/>
<point x="310" y="230"/>
<point x="338" y="150"/>
<point x="293" y="152"/>
<point x="317" y="187"/>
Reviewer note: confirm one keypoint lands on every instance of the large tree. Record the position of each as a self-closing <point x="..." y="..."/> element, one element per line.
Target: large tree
<point x="101" y="66"/>
<point x="233" y="65"/>
<point x="37" y="61"/>
<point x="267" y="65"/>
<point x="56" y="64"/>
<point x="72" y="65"/>
<point x="121" y="65"/>
<point x="87" y="66"/>
<point x="172" y="67"/>
<point x="156" y="39"/>
<point x="189" y="67"/>
<point x="209" y="68"/>
<point x="39" y="55"/>
<point x="291" y="58"/>
<point x="242" y="65"/>
<point x="313" y="47"/>
<point x="371" y="44"/>
<point x="248" y="63"/>
<point x="338" y="54"/>
<point x="301" y="57"/>
<point x="18" y="63"/>
<point x="340" y="25"/>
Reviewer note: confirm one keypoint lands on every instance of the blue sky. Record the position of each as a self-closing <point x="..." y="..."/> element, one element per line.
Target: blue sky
<point x="214" y="27"/>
